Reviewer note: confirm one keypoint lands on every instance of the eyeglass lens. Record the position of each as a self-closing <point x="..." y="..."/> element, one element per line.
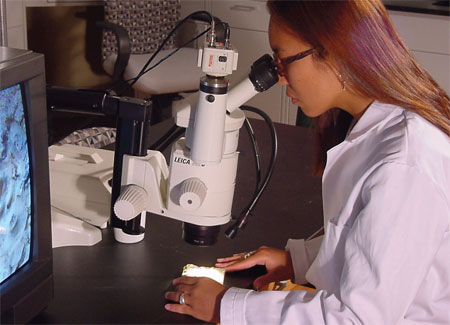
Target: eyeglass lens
<point x="282" y="62"/>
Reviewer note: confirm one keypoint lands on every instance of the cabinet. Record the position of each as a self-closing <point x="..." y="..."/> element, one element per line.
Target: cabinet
<point x="15" y="24"/>
<point x="428" y="38"/>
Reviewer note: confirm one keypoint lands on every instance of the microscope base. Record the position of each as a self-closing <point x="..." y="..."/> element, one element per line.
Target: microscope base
<point x="70" y="231"/>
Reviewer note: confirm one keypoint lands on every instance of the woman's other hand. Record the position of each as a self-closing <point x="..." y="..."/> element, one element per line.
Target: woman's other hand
<point x="202" y="298"/>
<point x="277" y="262"/>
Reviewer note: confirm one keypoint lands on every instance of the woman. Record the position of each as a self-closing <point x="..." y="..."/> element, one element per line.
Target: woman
<point x="383" y="149"/>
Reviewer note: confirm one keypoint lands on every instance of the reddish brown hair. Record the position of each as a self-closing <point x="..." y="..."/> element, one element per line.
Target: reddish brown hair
<point x="369" y="53"/>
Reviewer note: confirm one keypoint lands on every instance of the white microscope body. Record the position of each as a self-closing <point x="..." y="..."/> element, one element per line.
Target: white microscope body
<point x="198" y="186"/>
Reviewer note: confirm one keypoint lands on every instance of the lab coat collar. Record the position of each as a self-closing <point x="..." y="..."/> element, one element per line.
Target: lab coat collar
<point x="373" y="117"/>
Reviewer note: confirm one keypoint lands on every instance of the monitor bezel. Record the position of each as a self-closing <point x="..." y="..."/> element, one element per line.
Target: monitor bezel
<point x="30" y="289"/>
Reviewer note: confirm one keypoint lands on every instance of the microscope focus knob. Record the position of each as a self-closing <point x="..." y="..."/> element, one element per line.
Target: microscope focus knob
<point x="131" y="202"/>
<point x="192" y="193"/>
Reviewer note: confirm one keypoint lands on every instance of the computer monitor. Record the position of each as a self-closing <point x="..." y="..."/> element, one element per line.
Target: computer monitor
<point x="26" y="283"/>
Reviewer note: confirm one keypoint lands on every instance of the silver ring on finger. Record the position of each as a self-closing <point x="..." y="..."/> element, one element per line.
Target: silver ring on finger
<point x="181" y="299"/>
<point x="247" y="255"/>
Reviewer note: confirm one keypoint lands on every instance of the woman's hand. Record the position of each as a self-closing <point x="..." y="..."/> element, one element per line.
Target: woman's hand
<point x="201" y="298"/>
<point x="277" y="262"/>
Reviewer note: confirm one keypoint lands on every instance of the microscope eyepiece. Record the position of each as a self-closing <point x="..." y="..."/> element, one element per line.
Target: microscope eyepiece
<point x="263" y="73"/>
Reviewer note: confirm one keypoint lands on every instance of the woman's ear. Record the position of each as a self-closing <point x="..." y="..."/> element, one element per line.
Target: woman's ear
<point x="336" y="69"/>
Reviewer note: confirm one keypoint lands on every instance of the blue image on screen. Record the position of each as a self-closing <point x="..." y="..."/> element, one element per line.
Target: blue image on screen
<point x="15" y="190"/>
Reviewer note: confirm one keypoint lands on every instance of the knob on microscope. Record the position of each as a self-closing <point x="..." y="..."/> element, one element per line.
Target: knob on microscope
<point x="192" y="193"/>
<point x="131" y="202"/>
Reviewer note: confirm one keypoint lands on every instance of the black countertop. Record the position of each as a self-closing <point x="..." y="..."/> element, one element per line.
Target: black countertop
<point x="433" y="7"/>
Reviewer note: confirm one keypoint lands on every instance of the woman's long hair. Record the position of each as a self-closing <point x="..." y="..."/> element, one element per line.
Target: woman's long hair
<point x="369" y="53"/>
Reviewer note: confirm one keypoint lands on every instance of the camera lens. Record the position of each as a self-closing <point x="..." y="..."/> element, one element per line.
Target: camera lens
<point x="200" y="235"/>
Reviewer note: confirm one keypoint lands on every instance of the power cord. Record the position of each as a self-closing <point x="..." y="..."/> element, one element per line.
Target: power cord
<point x="163" y="138"/>
<point x="200" y="15"/>
<point x="251" y="134"/>
<point x="242" y="220"/>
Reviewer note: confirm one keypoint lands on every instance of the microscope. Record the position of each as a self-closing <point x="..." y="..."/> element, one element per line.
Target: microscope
<point x="197" y="185"/>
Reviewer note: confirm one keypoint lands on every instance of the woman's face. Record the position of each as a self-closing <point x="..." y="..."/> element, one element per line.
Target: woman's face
<point x="312" y="84"/>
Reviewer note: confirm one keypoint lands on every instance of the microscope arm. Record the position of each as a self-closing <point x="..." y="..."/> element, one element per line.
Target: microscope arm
<point x="132" y="129"/>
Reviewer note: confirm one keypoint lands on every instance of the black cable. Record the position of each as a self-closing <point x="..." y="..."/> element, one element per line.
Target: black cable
<point x="243" y="218"/>
<point x="158" y="142"/>
<point x="251" y="134"/>
<point x="173" y="52"/>
<point x="178" y="133"/>
<point x="141" y="73"/>
<point x="181" y="22"/>
<point x="273" y="154"/>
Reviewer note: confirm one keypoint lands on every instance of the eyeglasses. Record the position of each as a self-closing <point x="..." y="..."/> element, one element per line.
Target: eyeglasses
<point x="282" y="63"/>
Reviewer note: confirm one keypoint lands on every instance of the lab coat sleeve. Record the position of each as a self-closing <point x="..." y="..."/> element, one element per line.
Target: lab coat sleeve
<point x="387" y="252"/>
<point x="303" y="254"/>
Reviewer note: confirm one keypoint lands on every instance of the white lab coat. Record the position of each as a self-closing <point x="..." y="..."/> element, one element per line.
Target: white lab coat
<point x="385" y="255"/>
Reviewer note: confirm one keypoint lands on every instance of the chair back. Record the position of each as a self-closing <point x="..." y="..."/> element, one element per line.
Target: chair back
<point x="148" y="22"/>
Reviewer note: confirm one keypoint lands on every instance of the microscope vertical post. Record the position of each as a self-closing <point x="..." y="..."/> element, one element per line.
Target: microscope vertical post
<point x="133" y="123"/>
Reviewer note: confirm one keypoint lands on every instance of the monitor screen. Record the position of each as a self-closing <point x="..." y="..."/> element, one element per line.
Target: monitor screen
<point x="15" y="191"/>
